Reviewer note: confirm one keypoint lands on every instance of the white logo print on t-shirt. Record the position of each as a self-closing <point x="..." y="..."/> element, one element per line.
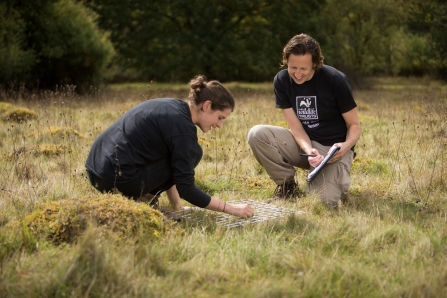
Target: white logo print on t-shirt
<point x="306" y="107"/>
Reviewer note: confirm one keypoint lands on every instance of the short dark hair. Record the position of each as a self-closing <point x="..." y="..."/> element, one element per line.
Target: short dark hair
<point x="302" y="44"/>
<point x="202" y="90"/>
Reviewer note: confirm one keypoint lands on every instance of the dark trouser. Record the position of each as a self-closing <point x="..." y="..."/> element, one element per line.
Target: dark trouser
<point x="154" y="179"/>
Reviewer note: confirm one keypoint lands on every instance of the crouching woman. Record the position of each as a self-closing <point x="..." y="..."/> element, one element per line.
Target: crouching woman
<point x="154" y="148"/>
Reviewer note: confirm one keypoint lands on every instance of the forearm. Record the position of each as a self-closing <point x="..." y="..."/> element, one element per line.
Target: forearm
<point x="353" y="135"/>
<point x="174" y="198"/>
<point x="353" y="130"/>
<point x="297" y="130"/>
<point x="217" y="205"/>
<point x="303" y="140"/>
<point x="240" y="210"/>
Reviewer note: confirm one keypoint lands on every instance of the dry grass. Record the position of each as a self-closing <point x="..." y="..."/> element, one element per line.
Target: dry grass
<point x="388" y="240"/>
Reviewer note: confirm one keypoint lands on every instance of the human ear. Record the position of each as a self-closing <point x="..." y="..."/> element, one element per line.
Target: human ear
<point x="207" y="105"/>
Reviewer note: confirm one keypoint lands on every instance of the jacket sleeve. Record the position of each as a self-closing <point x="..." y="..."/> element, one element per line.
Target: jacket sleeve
<point x="186" y="153"/>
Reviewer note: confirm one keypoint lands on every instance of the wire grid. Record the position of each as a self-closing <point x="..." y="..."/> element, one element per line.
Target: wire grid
<point x="263" y="212"/>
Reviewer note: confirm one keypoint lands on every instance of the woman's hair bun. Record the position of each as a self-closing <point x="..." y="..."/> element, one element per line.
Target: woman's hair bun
<point x="203" y="90"/>
<point x="198" y="83"/>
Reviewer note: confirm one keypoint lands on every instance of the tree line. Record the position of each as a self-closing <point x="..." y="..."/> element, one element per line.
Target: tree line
<point x="82" y="42"/>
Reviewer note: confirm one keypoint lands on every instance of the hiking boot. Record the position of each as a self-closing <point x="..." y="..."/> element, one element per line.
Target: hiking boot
<point x="285" y="191"/>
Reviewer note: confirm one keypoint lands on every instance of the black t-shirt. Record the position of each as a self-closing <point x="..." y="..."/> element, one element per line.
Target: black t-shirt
<point x="151" y="131"/>
<point x="319" y="103"/>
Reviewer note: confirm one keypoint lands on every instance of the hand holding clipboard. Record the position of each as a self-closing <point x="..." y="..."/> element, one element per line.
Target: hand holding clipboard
<point x="318" y="169"/>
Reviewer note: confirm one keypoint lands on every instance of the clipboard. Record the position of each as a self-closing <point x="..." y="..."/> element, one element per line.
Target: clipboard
<point x="318" y="169"/>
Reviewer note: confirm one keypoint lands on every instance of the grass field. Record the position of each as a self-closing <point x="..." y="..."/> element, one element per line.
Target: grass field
<point x="60" y="238"/>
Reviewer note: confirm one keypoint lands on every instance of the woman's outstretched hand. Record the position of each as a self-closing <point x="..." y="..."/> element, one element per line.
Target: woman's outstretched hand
<point x="240" y="210"/>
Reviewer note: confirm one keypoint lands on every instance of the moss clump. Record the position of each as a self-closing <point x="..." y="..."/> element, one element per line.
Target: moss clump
<point x="256" y="182"/>
<point x="50" y="149"/>
<point x="12" y="112"/>
<point x="204" y="142"/>
<point x="282" y="123"/>
<point x="365" y="119"/>
<point x="57" y="132"/>
<point x="62" y="131"/>
<point x="365" y="164"/>
<point x="4" y="106"/>
<point x="39" y="150"/>
<point x="363" y="106"/>
<point x="116" y="217"/>
<point x="19" y="114"/>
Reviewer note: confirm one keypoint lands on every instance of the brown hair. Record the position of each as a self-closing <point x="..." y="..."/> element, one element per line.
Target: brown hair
<point x="303" y="44"/>
<point x="202" y="90"/>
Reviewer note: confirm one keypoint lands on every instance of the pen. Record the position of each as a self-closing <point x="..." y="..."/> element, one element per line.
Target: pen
<point x="313" y="155"/>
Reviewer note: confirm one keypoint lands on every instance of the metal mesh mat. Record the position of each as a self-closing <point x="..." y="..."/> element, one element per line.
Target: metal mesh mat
<point x="263" y="212"/>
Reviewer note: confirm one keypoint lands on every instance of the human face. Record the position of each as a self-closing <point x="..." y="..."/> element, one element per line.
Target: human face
<point x="209" y="118"/>
<point x="300" y="67"/>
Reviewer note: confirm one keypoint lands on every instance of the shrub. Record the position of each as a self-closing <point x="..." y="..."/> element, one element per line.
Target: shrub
<point x="52" y="42"/>
<point x="15" y="59"/>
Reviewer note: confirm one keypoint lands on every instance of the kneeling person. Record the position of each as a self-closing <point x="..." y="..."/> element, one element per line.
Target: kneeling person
<point x="318" y="105"/>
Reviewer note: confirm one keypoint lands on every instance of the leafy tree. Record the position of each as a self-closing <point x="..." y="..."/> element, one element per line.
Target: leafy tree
<point x="386" y="36"/>
<point x="49" y="42"/>
<point x="57" y="42"/>
<point x="429" y="23"/>
<point x="15" y="60"/>
<point x="367" y="35"/>
<point x="226" y="40"/>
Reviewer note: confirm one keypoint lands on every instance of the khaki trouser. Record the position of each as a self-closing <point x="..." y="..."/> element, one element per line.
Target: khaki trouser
<point x="277" y="151"/>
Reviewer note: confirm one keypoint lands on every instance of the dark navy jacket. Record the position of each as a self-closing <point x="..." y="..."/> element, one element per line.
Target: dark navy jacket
<point x="151" y="131"/>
